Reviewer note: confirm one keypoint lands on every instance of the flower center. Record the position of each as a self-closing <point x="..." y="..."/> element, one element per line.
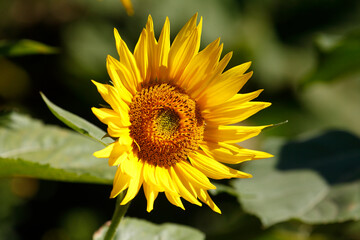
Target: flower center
<point x="167" y="121"/>
<point x="166" y="125"/>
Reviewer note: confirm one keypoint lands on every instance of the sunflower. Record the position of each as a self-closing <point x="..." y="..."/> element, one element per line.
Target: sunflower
<point x="128" y="7"/>
<point x="170" y="111"/>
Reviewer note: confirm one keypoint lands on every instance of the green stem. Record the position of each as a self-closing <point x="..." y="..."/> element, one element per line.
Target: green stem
<point x="119" y="212"/>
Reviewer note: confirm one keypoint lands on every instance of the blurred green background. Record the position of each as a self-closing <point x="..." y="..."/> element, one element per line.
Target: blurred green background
<point x="305" y="54"/>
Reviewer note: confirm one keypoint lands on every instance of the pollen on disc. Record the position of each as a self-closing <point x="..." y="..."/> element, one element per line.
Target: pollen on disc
<point x="166" y="124"/>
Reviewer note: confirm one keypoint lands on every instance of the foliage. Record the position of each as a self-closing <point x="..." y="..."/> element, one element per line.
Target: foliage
<point x="31" y="149"/>
<point x="78" y="124"/>
<point x="338" y="56"/>
<point x="315" y="180"/>
<point x="24" y="47"/>
<point x="133" y="229"/>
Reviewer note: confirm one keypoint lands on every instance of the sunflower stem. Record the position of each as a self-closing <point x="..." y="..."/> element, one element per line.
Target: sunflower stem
<point x="119" y="212"/>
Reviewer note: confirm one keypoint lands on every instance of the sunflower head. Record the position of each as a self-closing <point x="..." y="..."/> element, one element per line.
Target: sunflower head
<point x="166" y="125"/>
<point x="170" y="107"/>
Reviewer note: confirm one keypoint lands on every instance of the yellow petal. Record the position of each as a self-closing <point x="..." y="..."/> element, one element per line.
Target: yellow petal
<point x="115" y="71"/>
<point x="129" y="166"/>
<point x="118" y="105"/>
<point x="163" y="49"/>
<point x="222" y="64"/>
<point x="163" y="179"/>
<point x="231" y="153"/>
<point x="175" y="200"/>
<point x="234" y="102"/>
<point x="213" y="169"/>
<point x="134" y="185"/>
<point x="240" y="150"/>
<point x="121" y="182"/>
<point x="190" y="186"/>
<point x="115" y="130"/>
<point x="121" y="146"/>
<point x="103" y="89"/>
<point x="112" y="97"/>
<point x="150" y="32"/>
<point x="141" y="54"/>
<point x="127" y="59"/>
<point x="226" y="153"/>
<point x="122" y="76"/>
<point x="204" y="196"/>
<point x="196" y="93"/>
<point x="117" y="160"/>
<point x="105" y="152"/>
<point x="149" y="177"/>
<point x="125" y="140"/>
<point x="184" y="47"/>
<point x="197" y="72"/>
<point x="150" y="195"/>
<point x="231" y="134"/>
<point x="193" y="175"/>
<point x="186" y="30"/>
<point x="106" y="115"/>
<point x="128" y="7"/>
<point x="231" y="116"/>
<point x="182" y="189"/>
<point x="151" y="50"/>
<point x="228" y="84"/>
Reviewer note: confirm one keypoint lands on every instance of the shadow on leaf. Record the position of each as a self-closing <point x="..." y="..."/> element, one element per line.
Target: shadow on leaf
<point x="334" y="155"/>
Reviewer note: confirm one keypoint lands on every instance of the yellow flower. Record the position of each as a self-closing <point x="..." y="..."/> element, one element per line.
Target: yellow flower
<point x="128" y="7"/>
<point x="170" y="107"/>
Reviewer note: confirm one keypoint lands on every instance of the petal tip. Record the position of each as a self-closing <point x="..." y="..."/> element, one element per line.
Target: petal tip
<point x="267" y="104"/>
<point x="217" y="210"/>
<point x="116" y="32"/>
<point x="150" y="23"/>
<point x="113" y="194"/>
<point x="200" y="21"/>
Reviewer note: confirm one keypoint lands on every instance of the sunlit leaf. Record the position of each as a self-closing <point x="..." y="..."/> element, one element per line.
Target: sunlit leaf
<point x="276" y="196"/>
<point x="32" y="149"/>
<point x="135" y="229"/>
<point x="25" y="47"/>
<point x="315" y="180"/>
<point x="334" y="105"/>
<point x="77" y="123"/>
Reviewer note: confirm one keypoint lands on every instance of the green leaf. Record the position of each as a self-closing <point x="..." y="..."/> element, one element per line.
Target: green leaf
<point x="315" y="180"/>
<point x="77" y="123"/>
<point x="31" y="149"/>
<point x="276" y="196"/>
<point x="338" y="55"/>
<point x="135" y="229"/>
<point x="24" y="47"/>
<point x="334" y="105"/>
